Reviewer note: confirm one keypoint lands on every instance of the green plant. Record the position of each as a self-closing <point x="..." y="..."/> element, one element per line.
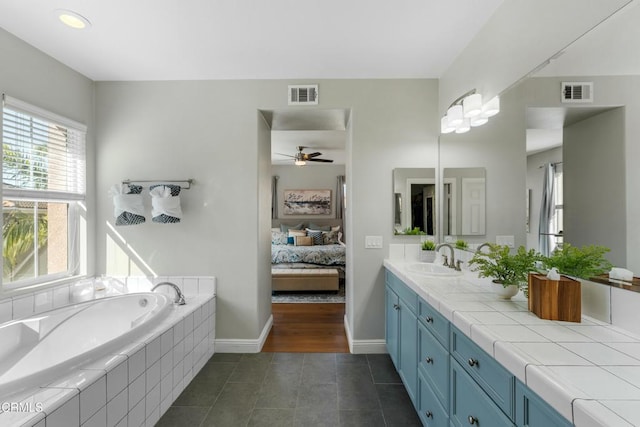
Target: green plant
<point x="413" y="231"/>
<point x="584" y="262"/>
<point x="428" y="245"/>
<point x="461" y="244"/>
<point x="503" y="266"/>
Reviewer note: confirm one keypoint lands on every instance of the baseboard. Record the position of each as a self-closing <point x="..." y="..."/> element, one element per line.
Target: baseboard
<point x="363" y="346"/>
<point x="245" y="346"/>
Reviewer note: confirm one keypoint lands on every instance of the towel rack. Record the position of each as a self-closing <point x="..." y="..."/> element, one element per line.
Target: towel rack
<point x="189" y="181"/>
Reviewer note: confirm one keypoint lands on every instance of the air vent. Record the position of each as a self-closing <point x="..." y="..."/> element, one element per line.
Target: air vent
<point x="577" y="92"/>
<point x="303" y="95"/>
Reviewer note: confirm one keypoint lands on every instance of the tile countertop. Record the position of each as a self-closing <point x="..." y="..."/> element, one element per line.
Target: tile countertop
<point x="588" y="371"/>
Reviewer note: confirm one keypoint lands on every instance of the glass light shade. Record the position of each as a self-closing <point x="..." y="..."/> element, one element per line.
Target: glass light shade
<point x="463" y="127"/>
<point x="472" y="105"/>
<point x="454" y="115"/>
<point x="72" y="19"/>
<point x="492" y="107"/>
<point x="445" y="127"/>
<point x="478" y="120"/>
<point x="300" y="162"/>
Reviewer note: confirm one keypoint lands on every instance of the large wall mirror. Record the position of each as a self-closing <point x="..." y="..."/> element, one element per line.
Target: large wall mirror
<point x="414" y="198"/>
<point x="463" y="202"/>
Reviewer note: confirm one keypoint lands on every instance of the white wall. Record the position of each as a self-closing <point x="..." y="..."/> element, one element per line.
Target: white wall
<point x="310" y="177"/>
<point x="534" y="183"/>
<point x="29" y="75"/>
<point x="209" y="130"/>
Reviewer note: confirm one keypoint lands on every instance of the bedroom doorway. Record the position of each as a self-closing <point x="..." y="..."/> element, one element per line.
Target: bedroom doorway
<point x="308" y="256"/>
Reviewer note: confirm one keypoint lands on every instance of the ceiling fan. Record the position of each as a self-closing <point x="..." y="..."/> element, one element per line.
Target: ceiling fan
<point x="301" y="159"/>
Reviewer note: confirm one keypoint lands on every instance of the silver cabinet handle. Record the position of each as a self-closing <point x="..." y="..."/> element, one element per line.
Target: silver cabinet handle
<point x="472" y="362"/>
<point x="429" y="414"/>
<point x="472" y="420"/>
<point x="429" y="319"/>
<point x="396" y="307"/>
<point x="428" y="360"/>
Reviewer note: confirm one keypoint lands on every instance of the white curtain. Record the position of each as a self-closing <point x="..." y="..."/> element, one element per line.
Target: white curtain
<point x="340" y="195"/>
<point x="547" y="209"/>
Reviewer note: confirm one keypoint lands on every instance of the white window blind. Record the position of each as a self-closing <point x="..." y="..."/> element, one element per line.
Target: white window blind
<point x="43" y="154"/>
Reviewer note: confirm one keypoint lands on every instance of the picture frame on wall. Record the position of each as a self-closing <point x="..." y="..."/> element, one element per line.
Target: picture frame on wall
<point x="307" y="202"/>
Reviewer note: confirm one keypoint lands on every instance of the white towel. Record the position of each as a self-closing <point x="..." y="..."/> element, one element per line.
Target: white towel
<point x="123" y="202"/>
<point x="621" y="274"/>
<point x="163" y="203"/>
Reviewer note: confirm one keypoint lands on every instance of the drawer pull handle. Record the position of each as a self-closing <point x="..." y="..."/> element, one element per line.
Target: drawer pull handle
<point x="429" y="319"/>
<point x="429" y="414"/>
<point x="396" y="307"/>
<point x="472" y="420"/>
<point x="428" y="360"/>
<point x="472" y="362"/>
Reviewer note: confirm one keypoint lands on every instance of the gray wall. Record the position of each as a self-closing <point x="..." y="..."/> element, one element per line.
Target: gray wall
<point x="594" y="183"/>
<point x="311" y="177"/>
<point x="29" y="75"/>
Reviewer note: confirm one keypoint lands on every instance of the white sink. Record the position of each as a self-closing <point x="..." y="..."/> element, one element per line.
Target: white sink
<point x="434" y="270"/>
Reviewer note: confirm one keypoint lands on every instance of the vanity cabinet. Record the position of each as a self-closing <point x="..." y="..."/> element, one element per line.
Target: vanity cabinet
<point x="402" y="332"/>
<point x="449" y="378"/>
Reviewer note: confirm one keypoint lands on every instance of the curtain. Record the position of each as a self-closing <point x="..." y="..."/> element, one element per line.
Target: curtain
<point x="274" y="197"/>
<point x="547" y="209"/>
<point x="340" y="197"/>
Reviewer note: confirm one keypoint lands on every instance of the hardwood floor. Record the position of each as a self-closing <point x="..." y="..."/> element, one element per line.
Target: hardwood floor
<point x="307" y="328"/>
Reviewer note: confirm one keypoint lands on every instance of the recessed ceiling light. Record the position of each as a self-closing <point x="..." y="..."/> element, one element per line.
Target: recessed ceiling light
<point x="72" y="19"/>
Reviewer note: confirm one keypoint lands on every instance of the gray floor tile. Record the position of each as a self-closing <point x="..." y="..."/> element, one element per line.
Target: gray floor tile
<point x="272" y="417"/>
<point x="354" y="373"/>
<point x="217" y="372"/>
<point x="178" y="416"/>
<point x="382" y="369"/>
<point x="284" y="373"/>
<point x="225" y="357"/>
<point x="319" y="358"/>
<point x="320" y="373"/>
<point x="257" y="357"/>
<point x="288" y="358"/>
<point x="313" y="417"/>
<point x="357" y="396"/>
<point x="361" y="418"/>
<point x="348" y="358"/>
<point x="396" y="406"/>
<point x="227" y="416"/>
<point x="249" y="371"/>
<point x="242" y="395"/>
<point x="318" y="396"/>
<point x="277" y="395"/>
<point x="200" y="392"/>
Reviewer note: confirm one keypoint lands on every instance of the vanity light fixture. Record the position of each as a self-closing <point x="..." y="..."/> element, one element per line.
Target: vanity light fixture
<point x="72" y="19"/>
<point x="468" y="111"/>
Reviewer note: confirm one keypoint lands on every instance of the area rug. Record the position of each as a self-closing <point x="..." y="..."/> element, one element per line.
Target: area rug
<point x="309" y="297"/>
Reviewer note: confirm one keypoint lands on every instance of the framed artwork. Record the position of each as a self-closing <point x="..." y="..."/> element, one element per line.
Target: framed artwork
<point x="307" y="202"/>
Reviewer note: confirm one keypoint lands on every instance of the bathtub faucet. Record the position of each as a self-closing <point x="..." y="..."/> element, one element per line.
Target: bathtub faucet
<point x="179" y="296"/>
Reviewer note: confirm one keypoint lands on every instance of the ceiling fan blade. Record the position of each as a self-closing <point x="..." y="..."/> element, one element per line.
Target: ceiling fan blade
<point x="316" y="154"/>
<point x="288" y="155"/>
<point x="320" y="160"/>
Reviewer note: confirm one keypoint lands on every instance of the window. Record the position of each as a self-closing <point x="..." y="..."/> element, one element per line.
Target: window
<point x="558" y="213"/>
<point x="43" y="187"/>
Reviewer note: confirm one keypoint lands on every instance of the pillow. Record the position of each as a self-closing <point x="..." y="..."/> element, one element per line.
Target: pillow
<point x="290" y="240"/>
<point x="330" y="237"/>
<point x="316" y="235"/>
<point x="335" y="228"/>
<point x="319" y="227"/>
<point x="303" y="240"/>
<point x="278" y="238"/>
<point x="293" y="233"/>
<point x="285" y="227"/>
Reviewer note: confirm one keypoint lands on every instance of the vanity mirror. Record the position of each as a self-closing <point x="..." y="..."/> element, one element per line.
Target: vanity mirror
<point x="463" y="196"/>
<point x="414" y="198"/>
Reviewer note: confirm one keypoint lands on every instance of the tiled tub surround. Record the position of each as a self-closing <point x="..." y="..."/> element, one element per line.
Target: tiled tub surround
<point x="135" y="385"/>
<point x="589" y="371"/>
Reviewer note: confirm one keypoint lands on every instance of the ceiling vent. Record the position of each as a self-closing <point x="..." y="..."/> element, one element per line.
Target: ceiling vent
<point x="303" y="95"/>
<point x="577" y="92"/>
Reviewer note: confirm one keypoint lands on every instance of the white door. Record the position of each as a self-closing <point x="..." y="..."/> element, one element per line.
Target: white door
<point x="473" y="209"/>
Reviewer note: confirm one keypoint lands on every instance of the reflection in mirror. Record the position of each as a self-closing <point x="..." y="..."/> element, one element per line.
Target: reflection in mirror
<point x="414" y="191"/>
<point x="463" y="195"/>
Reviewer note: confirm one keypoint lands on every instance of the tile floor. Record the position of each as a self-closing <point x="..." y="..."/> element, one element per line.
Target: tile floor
<point x="294" y="389"/>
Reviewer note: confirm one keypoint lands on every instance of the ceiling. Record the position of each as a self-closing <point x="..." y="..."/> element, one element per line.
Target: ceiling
<point x="244" y="39"/>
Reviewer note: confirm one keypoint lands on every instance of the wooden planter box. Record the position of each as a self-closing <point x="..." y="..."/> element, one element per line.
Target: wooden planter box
<point x="555" y="299"/>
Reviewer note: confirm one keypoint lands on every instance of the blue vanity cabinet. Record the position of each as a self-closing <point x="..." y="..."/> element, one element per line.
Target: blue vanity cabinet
<point x="532" y="411"/>
<point x="469" y="405"/>
<point x="433" y="361"/>
<point x="431" y="411"/>
<point x="402" y="332"/>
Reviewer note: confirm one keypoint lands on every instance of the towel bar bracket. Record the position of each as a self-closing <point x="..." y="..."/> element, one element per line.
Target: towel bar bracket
<point x="189" y="181"/>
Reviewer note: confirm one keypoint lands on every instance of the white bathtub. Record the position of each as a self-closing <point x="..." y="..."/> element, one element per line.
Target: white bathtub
<point x="37" y="349"/>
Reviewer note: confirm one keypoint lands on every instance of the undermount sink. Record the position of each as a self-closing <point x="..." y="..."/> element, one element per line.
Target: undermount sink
<point x="431" y="269"/>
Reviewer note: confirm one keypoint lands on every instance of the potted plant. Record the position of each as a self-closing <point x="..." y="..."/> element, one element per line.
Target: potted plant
<point x="508" y="271"/>
<point x="428" y="253"/>
<point x="462" y="244"/>
<point x="585" y="262"/>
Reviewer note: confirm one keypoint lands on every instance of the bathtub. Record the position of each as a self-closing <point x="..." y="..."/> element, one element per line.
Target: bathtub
<point x="35" y="350"/>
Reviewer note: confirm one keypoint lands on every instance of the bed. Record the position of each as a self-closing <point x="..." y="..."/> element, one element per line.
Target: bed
<point x="313" y="248"/>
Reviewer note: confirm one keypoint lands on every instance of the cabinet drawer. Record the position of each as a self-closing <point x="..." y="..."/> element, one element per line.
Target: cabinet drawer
<point x="532" y="411"/>
<point x="403" y="291"/>
<point x="431" y="412"/>
<point x="496" y="381"/>
<point x="470" y="405"/>
<point x="434" y="363"/>
<point x="435" y="322"/>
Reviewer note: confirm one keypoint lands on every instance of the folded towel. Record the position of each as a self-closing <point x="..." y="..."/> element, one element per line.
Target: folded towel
<point x="127" y="203"/>
<point x="621" y="274"/>
<point x="553" y="274"/>
<point x="165" y="203"/>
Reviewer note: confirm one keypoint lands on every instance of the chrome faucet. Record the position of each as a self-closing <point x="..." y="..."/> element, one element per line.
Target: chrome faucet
<point x="179" y="296"/>
<point x="485" y="244"/>
<point x="452" y="262"/>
